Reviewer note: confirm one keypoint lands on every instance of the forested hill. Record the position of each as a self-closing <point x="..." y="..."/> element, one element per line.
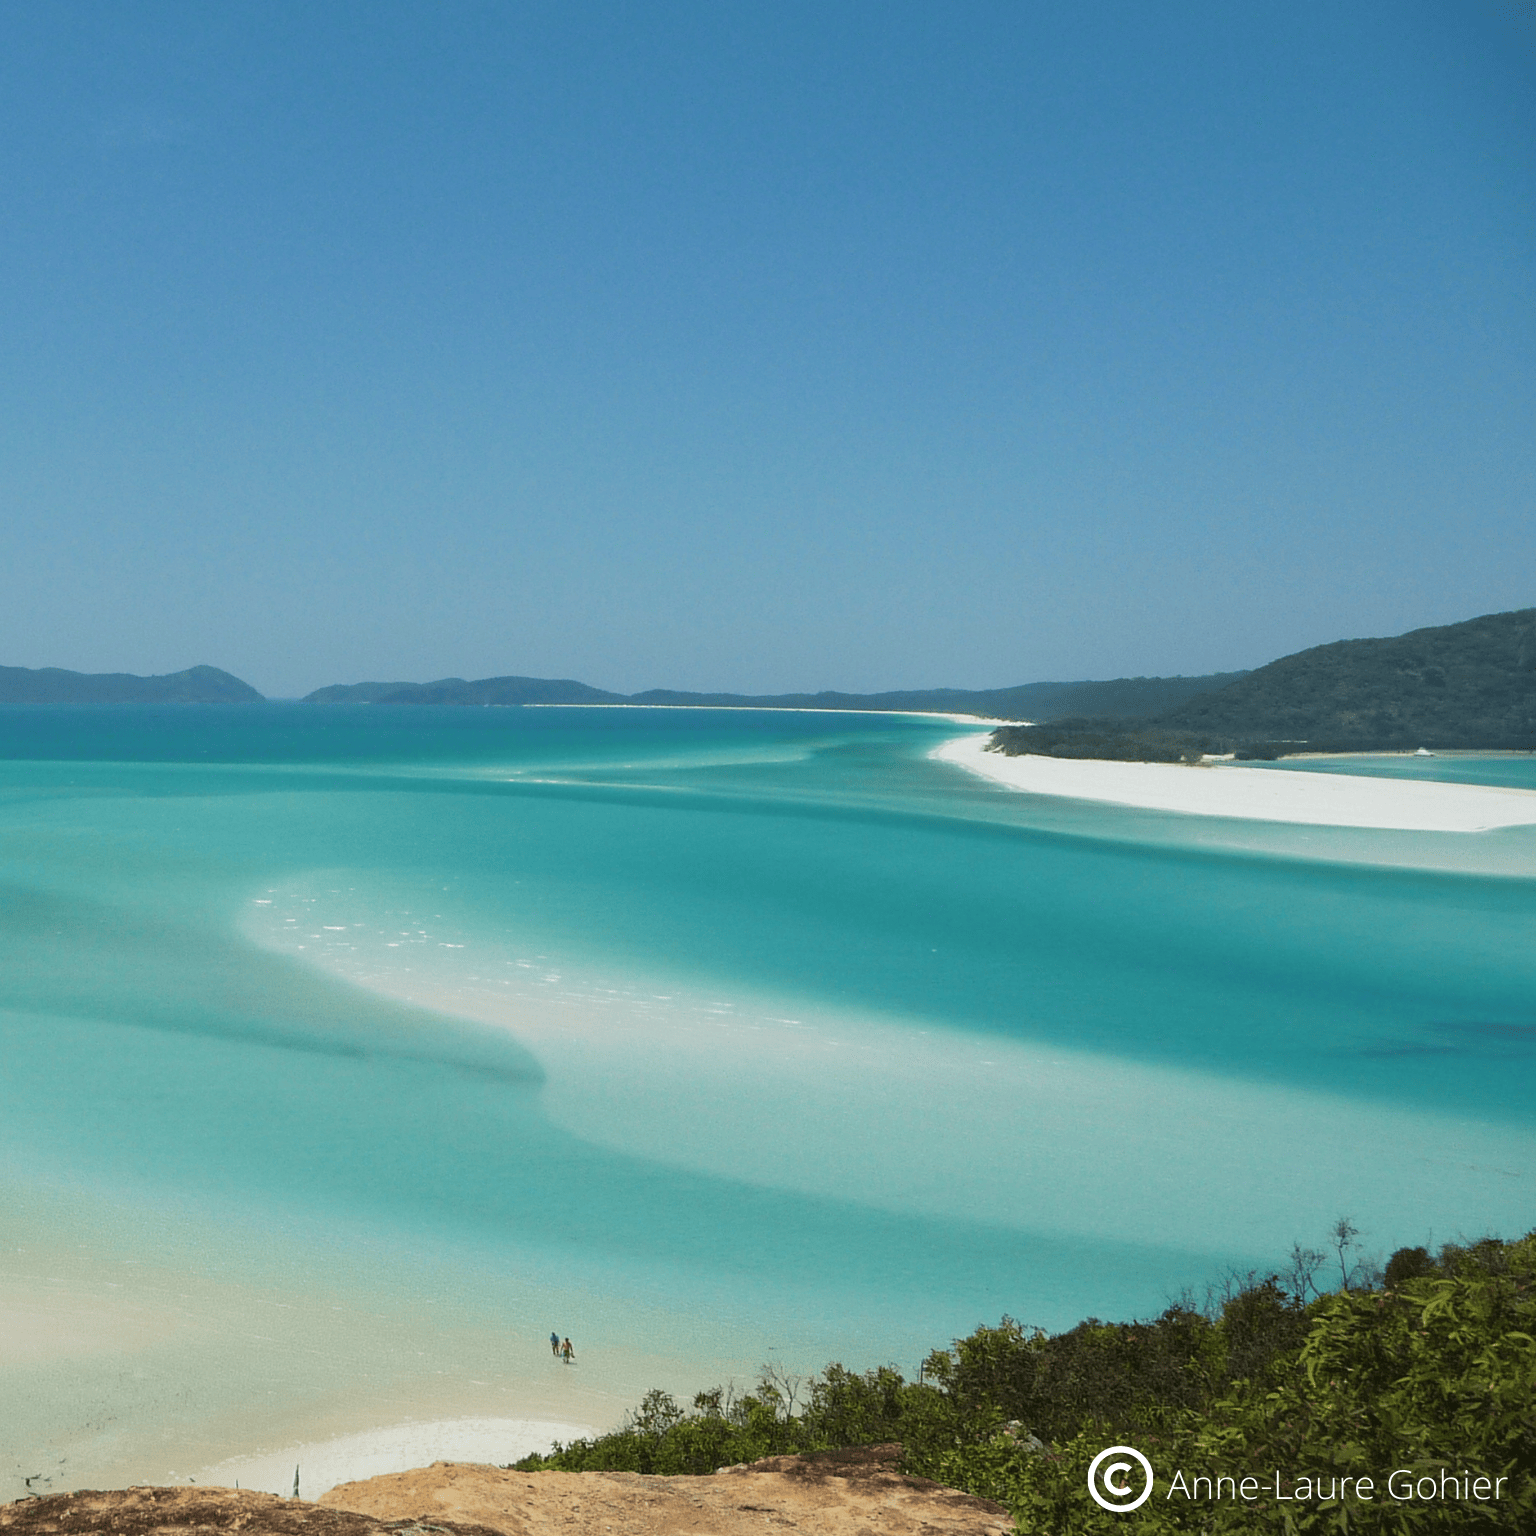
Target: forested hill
<point x="54" y="685"/>
<point x="455" y="690"/>
<point x="1457" y="685"/>
<point x="1125" y="698"/>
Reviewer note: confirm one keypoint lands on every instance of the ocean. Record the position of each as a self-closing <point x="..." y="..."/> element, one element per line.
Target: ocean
<point x="705" y="1037"/>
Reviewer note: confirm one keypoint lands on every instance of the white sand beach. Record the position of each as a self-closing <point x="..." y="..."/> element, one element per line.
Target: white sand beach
<point x="322" y="1464"/>
<point x="140" y="1345"/>
<point x="1254" y="794"/>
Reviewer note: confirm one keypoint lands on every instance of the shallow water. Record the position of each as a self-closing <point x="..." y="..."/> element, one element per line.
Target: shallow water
<point x="1507" y="770"/>
<point x="724" y="1032"/>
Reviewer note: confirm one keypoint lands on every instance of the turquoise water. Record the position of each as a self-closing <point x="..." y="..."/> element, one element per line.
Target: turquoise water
<point x="1507" y="770"/>
<point x="755" y="1018"/>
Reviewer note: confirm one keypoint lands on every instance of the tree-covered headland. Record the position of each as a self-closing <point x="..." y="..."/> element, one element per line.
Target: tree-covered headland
<point x="1126" y="742"/>
<point x="1462" y="686"/>
<point x="1427" y="1368"/>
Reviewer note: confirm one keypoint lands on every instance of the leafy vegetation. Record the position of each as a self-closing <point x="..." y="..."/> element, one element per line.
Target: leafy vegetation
<point x="1458" y="685"/>
<point x="1110" y="739"/>
<point x="1469" y="685"/>
<point x="1430" y="1367"/>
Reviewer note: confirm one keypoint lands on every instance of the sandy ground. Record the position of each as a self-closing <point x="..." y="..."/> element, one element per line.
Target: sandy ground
<point x="841" y="1493"/>
<point x="1254" y="794"/>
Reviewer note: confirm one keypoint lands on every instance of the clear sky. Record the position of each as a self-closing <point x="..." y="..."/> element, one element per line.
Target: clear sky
<point x="760" y="345"/>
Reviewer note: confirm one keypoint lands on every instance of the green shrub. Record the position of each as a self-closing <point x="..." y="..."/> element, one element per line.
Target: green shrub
<point x="1437" y="1371"/>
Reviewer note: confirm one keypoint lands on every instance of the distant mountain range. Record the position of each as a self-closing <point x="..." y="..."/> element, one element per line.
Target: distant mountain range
<point x="1457" y="685"/>
<point x="53" y="685"/>
<point x="1126" y="698"/>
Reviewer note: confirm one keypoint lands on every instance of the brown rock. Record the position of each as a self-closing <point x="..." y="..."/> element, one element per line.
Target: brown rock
<point x="185" y="1511"/>
<point x="837" y="1493"/>
<point x="840" y="1493"/>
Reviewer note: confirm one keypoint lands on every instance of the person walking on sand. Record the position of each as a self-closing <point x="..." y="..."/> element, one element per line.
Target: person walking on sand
<point x="566" y="1352"/>
<point x="554" y="1345"/>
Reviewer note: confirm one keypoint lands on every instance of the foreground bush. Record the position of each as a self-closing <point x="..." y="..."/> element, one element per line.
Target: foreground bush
<point x="1434" y="1373"/>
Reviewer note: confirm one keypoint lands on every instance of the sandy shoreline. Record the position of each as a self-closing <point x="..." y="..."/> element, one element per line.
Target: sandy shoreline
<point x="140" y="1345"/>
<point x="322" y="1464"/>
<point x="791" y="709"/>
<point x="1254" y="794"/>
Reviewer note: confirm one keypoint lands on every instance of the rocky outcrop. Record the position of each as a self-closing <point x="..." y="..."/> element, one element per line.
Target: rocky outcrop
<point x="190" y="1511"/>
<point x="838" y="1493"/>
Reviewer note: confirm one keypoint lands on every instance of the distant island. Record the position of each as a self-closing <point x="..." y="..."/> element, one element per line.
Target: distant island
<point x="55" y="685"/>
<point x="1456" y="686"/>
<point x="1124" y="698"/>
<point x="1470" y="685"/>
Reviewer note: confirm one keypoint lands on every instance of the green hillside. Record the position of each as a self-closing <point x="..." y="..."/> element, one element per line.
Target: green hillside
<point x="1457" y="685"/>
<point x="1470" y="685"/>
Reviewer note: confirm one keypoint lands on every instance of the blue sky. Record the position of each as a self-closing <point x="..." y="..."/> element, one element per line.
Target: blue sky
<point x="760" y="346"/>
